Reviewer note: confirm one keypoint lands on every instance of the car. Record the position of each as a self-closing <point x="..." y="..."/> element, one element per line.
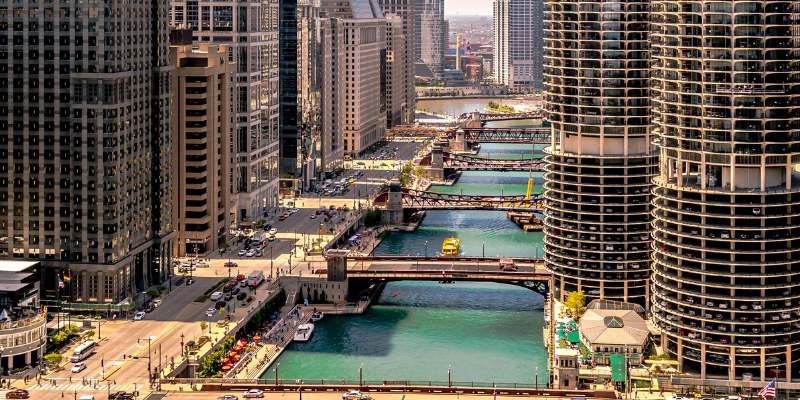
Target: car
<point x="241" y="296"/>
<point x="355" y="395"/>
<point x="251" y="253"/>
<point x="228" y="296"/>
<point x="18" y="394"/>
<point x="259" y="253"/>
<point x="313" y="216"/>
<point x="215" y="296"/>
<point x="189" y="282"/>
<point x="211" y="311"/>
<point x="253" y="393"/>
<point x="243" y="283"/>
<point x="149" y="308"/>
<point x="273" y="231"/>
<point x="220" y="305"/>
<point x="121" y="395"/>
<point x="156" y="303"/>
<point x="283" y="217"/>
<point x="138" y="316"/>
<point x="240" y="277"/>
<point x="242" y="252"/>
<point x="271" y="238"/>
<point x="228" y="397"/>
<point x="78" y="367"/>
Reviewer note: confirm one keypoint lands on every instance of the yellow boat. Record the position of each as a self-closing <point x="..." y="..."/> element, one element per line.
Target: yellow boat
<point x="451" y="246"/>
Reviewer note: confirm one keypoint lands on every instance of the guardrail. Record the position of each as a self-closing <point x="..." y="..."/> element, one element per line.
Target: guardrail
<point x="322" y="385"/>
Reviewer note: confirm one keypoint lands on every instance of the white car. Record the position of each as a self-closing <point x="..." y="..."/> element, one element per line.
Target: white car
<point x="242" y="252"/>
<point x="271" y="238"/>
<point x="251" y="253"/>
<point x="273" y="232"/>
<point x="211" y="311"/>
<point x="138" y="316"/>
<point x="355" y="395"/>
<point x="78" y="367"/>
<point x="216" y="296"/>
<point x="253" y="393"/>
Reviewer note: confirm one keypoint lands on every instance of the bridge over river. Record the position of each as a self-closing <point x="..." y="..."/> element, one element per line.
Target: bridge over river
<point x="419" y="199"/>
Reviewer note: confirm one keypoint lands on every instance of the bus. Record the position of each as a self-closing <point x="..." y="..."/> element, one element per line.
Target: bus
<point x="83" y="351"/>
<point x="255" y="278"/>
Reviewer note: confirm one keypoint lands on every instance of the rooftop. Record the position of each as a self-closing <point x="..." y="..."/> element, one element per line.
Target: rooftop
<point x="16" y="265"/>
<point x="614" y="327"/>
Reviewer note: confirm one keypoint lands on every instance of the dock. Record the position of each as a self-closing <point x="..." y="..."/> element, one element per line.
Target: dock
<point x="527" y="220"/>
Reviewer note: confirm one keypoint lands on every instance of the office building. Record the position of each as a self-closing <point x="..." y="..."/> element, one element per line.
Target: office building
<point x="431" y="35"/>
<point x="85" y="158"/>
<point x="249" y="29"/>
<point x="23" y="322"/>
<point x="726" y="111"/>
<point x="300" y="91"/>
<point x="405" y="9"/>
<point x="518" y="45"/>
<point x="330" y="146"/>
<point x="363" y="57"/>
<point x="395" y="71"/>
<point x="601" y="161"/>
<point x="202" y="125"/>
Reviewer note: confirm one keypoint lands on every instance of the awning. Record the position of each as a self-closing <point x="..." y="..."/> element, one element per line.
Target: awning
<point x="618" y="370"/>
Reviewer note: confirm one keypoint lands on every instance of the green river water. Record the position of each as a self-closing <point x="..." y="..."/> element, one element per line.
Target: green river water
<point x="485" y="332"/>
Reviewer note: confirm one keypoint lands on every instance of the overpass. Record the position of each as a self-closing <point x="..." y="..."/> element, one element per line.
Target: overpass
<point x="419" y="199"/>
<point x="467" y="162"/>
<point x="506" y="135"/>
<point x="530" y="273"/>
<point x="486" y="117"/>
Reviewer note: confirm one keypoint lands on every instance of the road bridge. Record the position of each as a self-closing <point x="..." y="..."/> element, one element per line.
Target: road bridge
<point x="486" y="117"/>
<point x="467" y="162"/>
<point x="506" y="135"/>
<point x="419" y="199"/>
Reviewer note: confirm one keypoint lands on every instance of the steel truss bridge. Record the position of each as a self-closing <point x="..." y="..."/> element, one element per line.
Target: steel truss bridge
<point x="485" y="117"/>
<point x="471" y="163"/>
<point x="419" y="199"/>
<point x="506" y="135"/>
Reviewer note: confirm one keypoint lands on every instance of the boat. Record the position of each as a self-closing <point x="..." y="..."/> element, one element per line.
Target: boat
<point x="304" y="332"/>
<point x="451" y="246"/>
<point x="316" y="316"/>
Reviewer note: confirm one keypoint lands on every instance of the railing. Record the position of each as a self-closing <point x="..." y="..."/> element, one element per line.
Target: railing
<point x="38" y="318"/>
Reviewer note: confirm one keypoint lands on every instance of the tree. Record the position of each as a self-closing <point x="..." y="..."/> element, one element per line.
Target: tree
<point x="203" y="325"/>
<point x="575" y="304"/>
<point x="52" y="359"/>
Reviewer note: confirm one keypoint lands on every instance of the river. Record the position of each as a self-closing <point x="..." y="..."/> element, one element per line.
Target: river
<point x="487" y="332"/>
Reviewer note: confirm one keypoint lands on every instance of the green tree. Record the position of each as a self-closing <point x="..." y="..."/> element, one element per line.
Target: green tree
<point x="203" y="326"/>
<point x="52" y="359"/>
<point x="575" y="304"/>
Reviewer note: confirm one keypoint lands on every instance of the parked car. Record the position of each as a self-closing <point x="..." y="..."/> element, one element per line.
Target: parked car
<point x="215" y="296"/>
<point x="241" y="296"/>
<point x="78" y="367"/>
<point x="18" y="394"/>
<point x="355" y="395"/>
<point x="211" y="311"/>
<point x="228" y="397"/>
<point x="138" y="316"/>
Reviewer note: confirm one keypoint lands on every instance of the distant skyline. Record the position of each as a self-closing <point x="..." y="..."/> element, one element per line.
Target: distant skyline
<point x="468" y="7"/>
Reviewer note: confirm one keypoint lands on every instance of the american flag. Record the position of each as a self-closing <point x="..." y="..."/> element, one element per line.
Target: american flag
<point x="768" y="391"/>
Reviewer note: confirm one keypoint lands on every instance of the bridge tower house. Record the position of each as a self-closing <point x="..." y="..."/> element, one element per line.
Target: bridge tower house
<point x="436" y="169"/>
<point x="394" y="204"/>
<point x="460" y="142"/>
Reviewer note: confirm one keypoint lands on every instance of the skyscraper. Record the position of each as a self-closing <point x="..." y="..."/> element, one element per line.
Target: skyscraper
<point x="431" y="39"/>
<point x="396" y="76"/>
<point x="362" y="59"/>
<point x="202" y="123"/>
<point x="601" y="161"/>
<point x="518" y="43"/>
<point x="250" y="30"/>
<point x="300" y="91"/>
<point x="726" y="109"/>
<point x="405" y="9"/>
<point x="85" y="165"/>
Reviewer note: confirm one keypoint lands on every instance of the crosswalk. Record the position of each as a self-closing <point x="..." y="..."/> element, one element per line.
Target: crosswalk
<point x="80" y="387"/>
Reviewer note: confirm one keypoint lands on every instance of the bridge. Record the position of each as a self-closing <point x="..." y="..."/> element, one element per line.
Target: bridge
<point x="467" y="162"/>
<point x="419" y="199"/>
<point x="486" y="117"/>
<point x="530" y="272"/>
<point x="505" y="135"/>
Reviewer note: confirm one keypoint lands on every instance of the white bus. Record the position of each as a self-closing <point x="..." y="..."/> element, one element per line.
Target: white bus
<point x="83" y="351"/>
<point x="255" y="278"/>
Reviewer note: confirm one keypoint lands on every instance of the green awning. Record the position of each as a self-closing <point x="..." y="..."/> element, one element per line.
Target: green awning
<point x="618" y="370"/>
<point x="574" y="337"/>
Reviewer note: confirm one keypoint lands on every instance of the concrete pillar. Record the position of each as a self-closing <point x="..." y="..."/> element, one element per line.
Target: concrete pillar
<point x="732" y="361"/>
<point x="28" y="358"/>
<point x="436" y="169"/>
<point x="460" y="142"/>
<point x="789" y="363"/>
<point x="702" y="361"/>
<point x="84" y="288"/>
<point x="394" y="204"/>
<point x="10" y="363"/>
<point x="101" y="287"/>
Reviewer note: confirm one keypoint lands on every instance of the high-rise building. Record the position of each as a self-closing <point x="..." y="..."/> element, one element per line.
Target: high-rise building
<point x="202" y="122"/>
<point x="405" y="9"/>
<point x="601" y="160"/>
<point x="395" y="71"/>
<point x="249" y="28"/>
<point x="363" y="58"/>
<point x="85" y="154"/>
<point x="330" y="147"/>
<point x="430" y="33"/>
<point x="726" y="109"/>
<point x="518" y="45"/>
<point x="299" y="92"/>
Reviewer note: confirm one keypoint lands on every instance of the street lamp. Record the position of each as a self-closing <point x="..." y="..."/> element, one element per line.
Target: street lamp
<point x="483" y="249"/>
<point x="361" y="375"/>
<point x="449" y="375"/>
<point x="536" y="382"/>
<point x="276" y="373"/>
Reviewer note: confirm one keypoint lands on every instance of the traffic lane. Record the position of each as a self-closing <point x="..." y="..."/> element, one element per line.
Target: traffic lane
<point x="385" y="266"/>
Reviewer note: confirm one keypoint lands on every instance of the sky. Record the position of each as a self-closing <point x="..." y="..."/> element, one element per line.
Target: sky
<point x="468" y="7"/>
